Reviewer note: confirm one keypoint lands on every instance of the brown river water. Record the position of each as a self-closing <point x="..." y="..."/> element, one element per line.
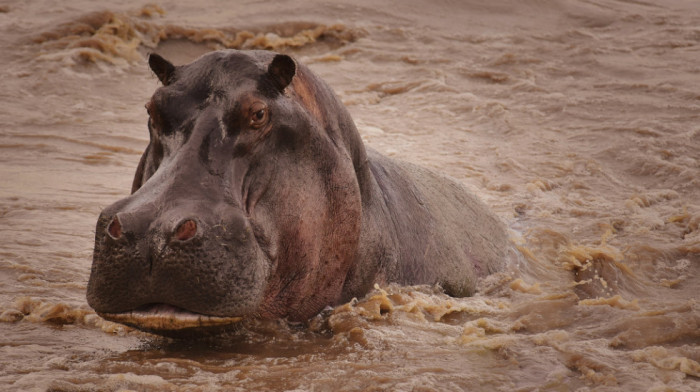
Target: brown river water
<point x="577" y="122"/>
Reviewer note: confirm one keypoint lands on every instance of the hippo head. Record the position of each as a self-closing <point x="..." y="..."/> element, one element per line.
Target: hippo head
<point x="245" y="204"/>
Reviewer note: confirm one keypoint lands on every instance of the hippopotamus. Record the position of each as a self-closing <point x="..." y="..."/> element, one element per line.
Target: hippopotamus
<point x="256" y="198"/>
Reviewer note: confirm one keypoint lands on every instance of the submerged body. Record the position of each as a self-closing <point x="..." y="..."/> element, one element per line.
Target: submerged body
<point x="257" y="198"/>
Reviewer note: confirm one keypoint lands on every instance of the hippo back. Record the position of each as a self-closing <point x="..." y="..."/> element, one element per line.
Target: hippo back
<point x="438" y="232"/>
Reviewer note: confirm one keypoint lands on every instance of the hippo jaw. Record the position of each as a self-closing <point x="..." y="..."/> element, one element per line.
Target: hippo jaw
<point x="169" y="320"/>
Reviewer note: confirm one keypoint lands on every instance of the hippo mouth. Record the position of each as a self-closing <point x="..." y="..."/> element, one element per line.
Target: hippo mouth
<point x="165" y="319"/>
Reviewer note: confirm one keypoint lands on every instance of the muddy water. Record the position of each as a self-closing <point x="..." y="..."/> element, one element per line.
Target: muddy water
<point x="578" y="122"/>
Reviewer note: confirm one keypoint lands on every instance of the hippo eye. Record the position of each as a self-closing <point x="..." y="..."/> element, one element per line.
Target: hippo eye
<point x="155" y="121"/>
<point x="258" y="115"/>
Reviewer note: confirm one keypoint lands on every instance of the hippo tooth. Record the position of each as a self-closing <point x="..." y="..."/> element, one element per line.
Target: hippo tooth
<point x="165" y="317"/>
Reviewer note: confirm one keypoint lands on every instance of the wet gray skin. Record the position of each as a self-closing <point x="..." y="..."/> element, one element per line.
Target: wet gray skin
<point x="256" y="198"/>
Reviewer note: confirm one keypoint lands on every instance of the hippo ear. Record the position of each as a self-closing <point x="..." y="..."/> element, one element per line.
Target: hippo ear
<point x="282" y="70"/>
<point x="161" y="67"/>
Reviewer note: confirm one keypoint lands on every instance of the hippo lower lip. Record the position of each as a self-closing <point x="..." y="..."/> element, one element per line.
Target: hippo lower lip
<point x="163" y="317"/>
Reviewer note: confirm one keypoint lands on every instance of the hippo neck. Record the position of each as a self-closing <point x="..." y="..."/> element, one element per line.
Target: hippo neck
<point x="378" y="255"/>
<point x="324" y="105"/>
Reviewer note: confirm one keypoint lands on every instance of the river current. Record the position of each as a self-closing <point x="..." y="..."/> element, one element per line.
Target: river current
<point x="577" y="122"/>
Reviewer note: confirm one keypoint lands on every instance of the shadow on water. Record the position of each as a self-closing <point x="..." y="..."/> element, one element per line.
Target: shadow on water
<point x="258" y="339"/>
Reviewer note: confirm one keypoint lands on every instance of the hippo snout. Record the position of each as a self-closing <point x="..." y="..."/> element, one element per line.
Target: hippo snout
<point x="201" y="261"/>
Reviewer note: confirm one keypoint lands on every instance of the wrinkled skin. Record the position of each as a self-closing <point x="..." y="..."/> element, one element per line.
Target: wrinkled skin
<point x="257" y="198"/>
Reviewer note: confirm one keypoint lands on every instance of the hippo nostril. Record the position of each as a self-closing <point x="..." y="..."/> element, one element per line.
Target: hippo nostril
<point x="186" y="230"/>
<point x="115" y="228"/>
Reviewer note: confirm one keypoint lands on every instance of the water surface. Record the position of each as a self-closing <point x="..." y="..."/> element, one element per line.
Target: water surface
<point x="578" y="122"/>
